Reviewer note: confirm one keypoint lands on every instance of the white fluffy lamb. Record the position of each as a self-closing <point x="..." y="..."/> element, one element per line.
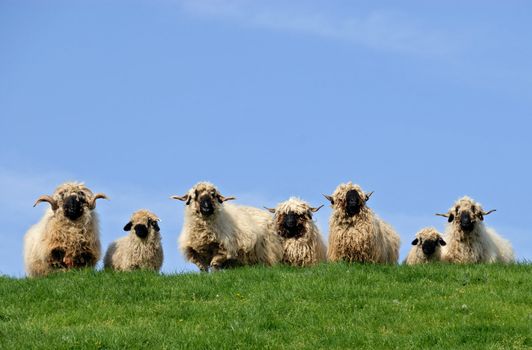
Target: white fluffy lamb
<point x="218" y="235"/>
<point x="67" y="236"/>
<point x="356" y="234"/>
<point x="301" y="238"/>
<point x="426" y="248"/>
<point x="468" y="240"/>
<point x="141" y="249"/>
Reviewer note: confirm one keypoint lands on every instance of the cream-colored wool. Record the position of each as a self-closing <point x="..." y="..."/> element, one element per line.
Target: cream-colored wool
<point x="132" y="252"/>
<point x="77" y="240"/>
<point x="307" y="249"/>
<point x="360" y="238"/>
<point x="416" y="254"/>
<point x="233" y="235"/>
<point x="481" y="245"/>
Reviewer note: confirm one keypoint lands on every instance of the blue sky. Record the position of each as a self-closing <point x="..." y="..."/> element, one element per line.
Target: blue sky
<point x="422" y="102"/>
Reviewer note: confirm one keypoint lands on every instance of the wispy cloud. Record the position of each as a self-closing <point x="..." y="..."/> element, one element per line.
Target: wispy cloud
<point x="380" y="30"/>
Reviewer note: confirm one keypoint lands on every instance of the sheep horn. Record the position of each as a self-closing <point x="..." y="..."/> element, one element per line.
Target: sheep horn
<point x="48" y="199"/>
<point x="489" y="212"/>
<point x="369" y="195"/>
<point x="92" y="203"/>
<point x="444" y="215"/>
<point x="223" y="199"/>
<point x="271" y="210"/>
<point x="329" y="198"/>
<point x="180" y="198"/>
<point x="316" y="209"/>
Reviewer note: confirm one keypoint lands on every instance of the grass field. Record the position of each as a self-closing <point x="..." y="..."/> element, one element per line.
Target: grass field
<point x="329" y="306"/>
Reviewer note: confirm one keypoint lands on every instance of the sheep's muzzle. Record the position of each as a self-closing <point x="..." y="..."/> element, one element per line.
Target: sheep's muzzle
<point x="206" y="206"/>
<point x="141" y="230"/>
<point x="73" y="207"/>
<point x="353" y="203"/>
<point x="466" y="223"/>
<point x="429" y="247"/>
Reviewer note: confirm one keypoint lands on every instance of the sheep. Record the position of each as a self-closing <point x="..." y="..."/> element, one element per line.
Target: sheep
<point x="426" y="247"/>
<point x="301" y="238"/>
<point x="67" y="236"/>
<point x="356" y="234"/>
<point x="469" y="240"/>
<point x="141" y="249"/>
<point x="218" y="235"/>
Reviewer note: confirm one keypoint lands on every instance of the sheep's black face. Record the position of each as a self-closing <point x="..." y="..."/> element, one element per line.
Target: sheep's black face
<point x="291" y="225"/>
<point x="429" y="246"/>
<point x="206" y="205"/>
<point x="73" y="207"/>
<point x="353" y="203"/>
<point x="141" y="230"/>
<point x="466" y="222"/>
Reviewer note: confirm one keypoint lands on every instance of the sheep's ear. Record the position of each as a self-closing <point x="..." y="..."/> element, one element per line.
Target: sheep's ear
<point x="128" y="226"/>
<point x="369" y="195"/>
<point x="414" y="242"/>
<point x="441" y="241"/>
<point x="329" y="198"/>
<point x="222" y="199"/>
<point x="316" y="209"/>
<point x="271" y="210"/>
<point x="155" y="225"/>
<point x="186" y="198"/>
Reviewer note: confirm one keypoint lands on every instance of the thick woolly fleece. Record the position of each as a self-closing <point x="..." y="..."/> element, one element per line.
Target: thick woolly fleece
<point x="232" y="235"/>
<point x="132" y="252"/>
<point x="481" y="245"/>
<point x="360" y="238"/>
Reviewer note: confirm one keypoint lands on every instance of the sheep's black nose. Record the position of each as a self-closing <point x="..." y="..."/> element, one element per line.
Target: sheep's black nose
<point x="73" y="207"/>
<point x="428" y="247"/>
<point x="141" y="230"/>
<point x="353" y="203"/>
<point x="290" y="221"/>
<point x="465" y="222"/>
<point x="206" y="206"/>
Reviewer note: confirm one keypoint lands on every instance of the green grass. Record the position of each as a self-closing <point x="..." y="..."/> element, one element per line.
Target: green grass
<point x="329" y="306"/>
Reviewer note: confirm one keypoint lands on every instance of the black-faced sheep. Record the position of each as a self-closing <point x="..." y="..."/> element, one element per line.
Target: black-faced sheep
<point x="356" y="234"/>
<point x="468" y="240"/>
<point x="301" y="238"/>
<point x="67" y="236"/>
<point x="426" y="247"/>
<point x="141" y="249"/>
<point x="218" y="235"/>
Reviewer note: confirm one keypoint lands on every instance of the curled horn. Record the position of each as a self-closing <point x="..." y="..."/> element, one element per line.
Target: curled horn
<point x="316" y="209"/>
<point x="444" y="215"/>
<point x="271" y="210"/>
<point x="369" y="195"/>
<point x="92" y="203"/>
<point x="488" y="212"/>
<point x="48" y="199"/>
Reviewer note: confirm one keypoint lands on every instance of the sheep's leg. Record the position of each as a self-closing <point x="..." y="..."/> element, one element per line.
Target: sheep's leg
<point x="56" y="258"/>
<point x="84" y="259"/>
<point x="197" y="259"/>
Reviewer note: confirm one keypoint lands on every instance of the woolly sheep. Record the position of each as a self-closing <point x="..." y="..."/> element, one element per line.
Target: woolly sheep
<point x="356" y="234"/>
<point x="67" y="236"/>
<point x="141" y="249"/>
<point x="301" y="238"/>
<point x="218" y="235"/>
<point x="426" y="247"/>
<point x="468" y="240"/>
